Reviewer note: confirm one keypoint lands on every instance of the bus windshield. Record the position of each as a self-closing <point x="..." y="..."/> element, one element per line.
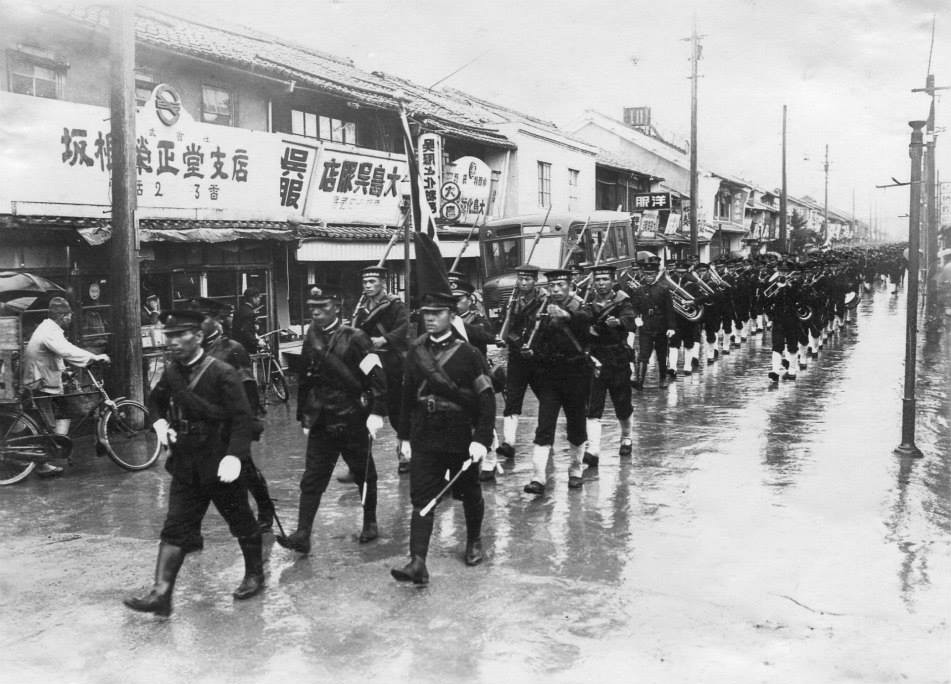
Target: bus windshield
<point x="503" y="256"/>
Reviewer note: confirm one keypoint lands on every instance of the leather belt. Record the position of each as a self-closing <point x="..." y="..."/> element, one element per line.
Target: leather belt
<point x="191" y="427"/>
<point x="434" y="404"/>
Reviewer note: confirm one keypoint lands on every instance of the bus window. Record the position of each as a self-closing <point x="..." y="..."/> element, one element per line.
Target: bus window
<point x="501" y="256"/>
<point x="547" y="254"/>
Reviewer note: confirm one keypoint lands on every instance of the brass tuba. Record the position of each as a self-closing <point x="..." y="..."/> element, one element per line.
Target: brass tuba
<point x="684" y="304"/>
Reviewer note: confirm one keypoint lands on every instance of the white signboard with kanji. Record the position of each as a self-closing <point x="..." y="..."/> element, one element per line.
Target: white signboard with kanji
<point x="471" y="178"/>
<point x="59" y="155"/>
<point x="356" y="186"/>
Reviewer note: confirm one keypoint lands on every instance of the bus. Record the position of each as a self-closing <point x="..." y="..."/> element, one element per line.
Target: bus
<point x="505" y="244"/>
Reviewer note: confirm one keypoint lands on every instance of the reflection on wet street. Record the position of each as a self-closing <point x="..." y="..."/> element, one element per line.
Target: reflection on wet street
<point x="758" y="534"/>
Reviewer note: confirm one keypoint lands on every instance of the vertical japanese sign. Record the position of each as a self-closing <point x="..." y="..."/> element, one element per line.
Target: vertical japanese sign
<point x="429" y="151"/>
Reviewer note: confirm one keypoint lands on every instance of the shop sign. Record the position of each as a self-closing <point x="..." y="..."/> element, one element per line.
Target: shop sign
<point x="650" y="222"/>
<point x="60" y="154"/>
<point x="469" y="179"/>
<point x="673" y="224"/>
<point x="430" y="169"/>
<point x="651" y="200"/>
<point x="355" y="186"/>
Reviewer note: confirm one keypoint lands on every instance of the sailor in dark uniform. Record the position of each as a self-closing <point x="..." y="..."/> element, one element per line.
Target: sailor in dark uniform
<point x="202" y="415"/>
<point x="655" y="319"/>
<point x="449" y="413"/>
<point x="383" y="317"/>
<point x="613" y="319"/>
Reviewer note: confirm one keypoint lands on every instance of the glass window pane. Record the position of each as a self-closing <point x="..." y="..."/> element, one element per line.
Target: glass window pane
<point x="350" y="133"/>
<point x="297" y="122"/>
<point x="310" y="125"/>
<point x="324" y="128"/>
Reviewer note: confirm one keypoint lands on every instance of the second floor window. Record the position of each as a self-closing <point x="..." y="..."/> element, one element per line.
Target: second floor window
<point x="145" y="82"/>
<point x="544" y="184"/>
<point x="36" y="76"/>
<point x="313" y="125"/>
<point x="573" y="188"/>
<point x="724" y="200"/>
<point x="217" y="106"/>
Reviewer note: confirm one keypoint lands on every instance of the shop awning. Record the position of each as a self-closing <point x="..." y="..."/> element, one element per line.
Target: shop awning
<point x="732" y="229"/>
<point x="186" y="231"/>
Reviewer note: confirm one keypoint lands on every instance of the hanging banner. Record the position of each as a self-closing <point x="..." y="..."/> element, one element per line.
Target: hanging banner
<point x="674" y="223"/>
<point x="468" y="185"/>
<point x="649" y="223"/>
<point x="429" y="151"/>
<point x="359" y="186"/>
<point x="59" y="155"/>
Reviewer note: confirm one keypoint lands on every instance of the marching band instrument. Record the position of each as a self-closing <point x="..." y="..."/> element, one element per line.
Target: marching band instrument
<point x="684" y="304"/>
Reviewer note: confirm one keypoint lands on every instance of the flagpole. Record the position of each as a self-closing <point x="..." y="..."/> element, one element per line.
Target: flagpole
<point x="412" y="216"/>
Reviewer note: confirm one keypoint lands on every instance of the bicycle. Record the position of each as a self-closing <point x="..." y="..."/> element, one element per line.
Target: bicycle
<point x="123" y="432"/>
<point x="267" y="371"/>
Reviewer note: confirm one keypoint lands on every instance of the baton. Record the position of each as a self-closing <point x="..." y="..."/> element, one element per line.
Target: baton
<point x="428" y="507"/>
<point x="260" y="476"/>
<point x="366" y="473"/>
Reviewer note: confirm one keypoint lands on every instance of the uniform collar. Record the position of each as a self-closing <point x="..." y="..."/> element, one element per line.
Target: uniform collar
<point x="333" y="327"/>
<point x="442" y="340"/>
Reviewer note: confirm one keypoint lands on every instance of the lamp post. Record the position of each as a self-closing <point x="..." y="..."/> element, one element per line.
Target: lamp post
<point x="907" y="447"/>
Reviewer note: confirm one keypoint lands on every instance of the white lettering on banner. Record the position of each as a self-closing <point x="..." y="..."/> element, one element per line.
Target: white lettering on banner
<point x="429" y="152"/>
<point x="673" y="224"/>
<point x="60" y="153"/>
<point x="649" y="222"/>
<point x="356" y="186"/>
<point x="652" y="200"/>
<point x="471" y="178"/>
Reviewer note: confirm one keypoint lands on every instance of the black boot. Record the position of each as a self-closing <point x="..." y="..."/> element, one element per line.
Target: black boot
<point x="474" y="513"/>
<point x="306" y="511"/>
<point x="640" y="372"/>
<point x="420" y="530"/>
<point x="253" y="582"/>
<point x="257" y="485"/>
<point x="159" y="599"/>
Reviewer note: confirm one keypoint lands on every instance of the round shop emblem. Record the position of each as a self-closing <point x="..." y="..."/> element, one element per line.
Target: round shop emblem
<point x="450" y="192"/>
<point x="450" y="211"/>
<point x="168" y="104"/>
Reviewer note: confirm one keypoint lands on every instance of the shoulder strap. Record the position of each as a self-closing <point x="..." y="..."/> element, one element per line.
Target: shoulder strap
<point x="202" y="367"/>
<point x="443" y="358"/>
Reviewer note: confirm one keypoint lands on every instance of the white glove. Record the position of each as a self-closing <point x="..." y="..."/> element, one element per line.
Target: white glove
<point x="638" y="321"/>
<point x="406" y="451"/>
<point x="477" y="451"/>
<point x="229" y="468"/>
<point x="164" y="433"/>
<point x="671" y="333"/>
<point x="374" y="423"/>
<point x="306" y="431"/>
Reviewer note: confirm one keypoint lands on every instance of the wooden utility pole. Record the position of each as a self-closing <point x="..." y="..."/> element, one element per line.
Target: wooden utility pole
<point x="825" y="212"/>
<point x="783" y="236"/>
<point x="907" y="446"/>
<point x="124" y="247"/>
<point x="694" y="192"/>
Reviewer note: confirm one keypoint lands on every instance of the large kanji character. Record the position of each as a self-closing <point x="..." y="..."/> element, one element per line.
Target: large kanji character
<point x="239" y="159"/>
<point x="143" y="155"/>
<point x="193" y="158"/>
<point x="328" y="181"/>
<point x="166" y="156"/>
<point x="347" y="172"/>
<point x="75" y="147"/>
<point x="219" y="163"/>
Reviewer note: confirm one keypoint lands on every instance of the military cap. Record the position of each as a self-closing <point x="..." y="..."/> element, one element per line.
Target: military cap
<point x="181" y="320"/>
<point x="318" y="297"/>
<point x="558" y="274"/>
<point x="604" y="269"/>
<point x="463" y="288"/>
<point x="651" y="263"/>
<point x="527" y="270"/>
<point x="437" y="301"/>
<point x="375" y="272"/>
<point x="455" y="276"/>
<point x="701" y="264"/>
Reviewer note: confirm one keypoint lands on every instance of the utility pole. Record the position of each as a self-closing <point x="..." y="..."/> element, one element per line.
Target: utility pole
<point x="124" y="247"/>
<point x="782" y="197"/>
<point x="695" y="50"/>
<point x="825" y="212"/>
<point x="907" y="446"/>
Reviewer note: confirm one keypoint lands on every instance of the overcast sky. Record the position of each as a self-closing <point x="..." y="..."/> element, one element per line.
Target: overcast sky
<point x="845" y="69"/>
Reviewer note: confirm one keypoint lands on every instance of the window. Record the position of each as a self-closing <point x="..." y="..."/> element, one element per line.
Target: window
<point x="544" y="184"/>
<point x="323" y="127"/>
<point x="724" y="200"/>
<point x="145" y="82"/>
<point x="217" y="106"/>
<point x="573" y="189"/>
<point x="35" y="74"/>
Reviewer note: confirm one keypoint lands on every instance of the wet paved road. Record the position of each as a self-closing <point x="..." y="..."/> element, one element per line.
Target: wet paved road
<point x="757" y="535"/>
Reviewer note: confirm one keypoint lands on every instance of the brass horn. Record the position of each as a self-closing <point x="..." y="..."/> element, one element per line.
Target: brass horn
<point x="684" y="304"/>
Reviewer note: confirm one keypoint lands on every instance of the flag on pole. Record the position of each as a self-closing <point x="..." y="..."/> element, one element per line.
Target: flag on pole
<point x="423" y="218"/>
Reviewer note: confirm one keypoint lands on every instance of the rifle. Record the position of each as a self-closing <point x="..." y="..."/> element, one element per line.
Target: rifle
<point x="584" y="228"/>
<point x="475" y="224"/>
<point x="508" y="309"/>
<point x="597" y="260"/>
<point x="379" y="264"/>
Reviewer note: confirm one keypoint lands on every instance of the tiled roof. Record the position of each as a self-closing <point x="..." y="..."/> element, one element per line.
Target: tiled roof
<point x="618" y="161"/>
<point x="267" y="55"/>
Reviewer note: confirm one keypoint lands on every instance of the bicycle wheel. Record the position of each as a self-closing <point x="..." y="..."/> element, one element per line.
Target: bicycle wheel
<point x="127" y="435"/>
<point x="17" y="441"/>
<point x="277" y="380"/>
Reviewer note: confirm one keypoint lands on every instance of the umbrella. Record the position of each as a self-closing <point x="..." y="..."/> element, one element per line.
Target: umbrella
<point x="19" y="291"/>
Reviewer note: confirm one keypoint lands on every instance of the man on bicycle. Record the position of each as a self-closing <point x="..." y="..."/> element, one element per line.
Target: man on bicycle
<point x="44" y="361"/>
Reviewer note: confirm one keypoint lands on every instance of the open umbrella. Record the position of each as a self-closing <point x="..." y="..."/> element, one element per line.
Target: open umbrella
<point x="19" y="291"/>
